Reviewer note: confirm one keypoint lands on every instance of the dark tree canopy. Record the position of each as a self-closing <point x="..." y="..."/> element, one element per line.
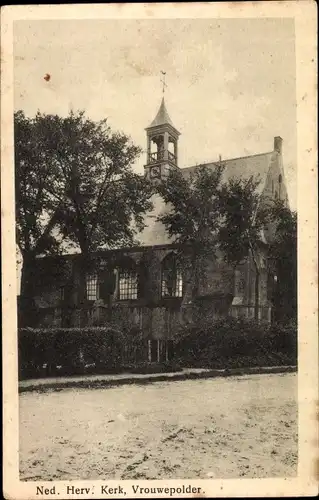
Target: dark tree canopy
<point x="208" y="215"/>
<point x="194" y="216"/>
<point x="75" y="187"/>
<point x="283" y="255"/>
<point x="88" y="177"/>
<point x="193" y="219"/>
<point x="78" y="174"/>
<point x="244" y="217"/>
<point x="35" y="206"/>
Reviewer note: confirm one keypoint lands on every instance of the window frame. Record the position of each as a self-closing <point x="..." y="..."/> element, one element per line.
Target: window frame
<point x="127" y="280"/>
<point x="129" y="289"/>
<point x="88" y="281"/>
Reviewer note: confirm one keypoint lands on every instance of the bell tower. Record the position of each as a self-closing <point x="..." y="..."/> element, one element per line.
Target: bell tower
<point x="162" y="145"/>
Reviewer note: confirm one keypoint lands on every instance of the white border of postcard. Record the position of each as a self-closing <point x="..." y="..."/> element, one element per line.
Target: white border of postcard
<point x="304" y="13"/>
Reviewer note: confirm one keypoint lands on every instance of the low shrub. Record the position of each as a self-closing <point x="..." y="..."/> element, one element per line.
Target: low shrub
<point x="231" y="343"/>
<point x="73" y="351"/>
<point x="208" y="343"/>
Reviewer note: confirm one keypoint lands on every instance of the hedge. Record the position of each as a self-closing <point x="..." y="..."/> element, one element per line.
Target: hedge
<point x="208" y="343"/>
<point x="71" y="351"/>
<point x="231" y="343"/>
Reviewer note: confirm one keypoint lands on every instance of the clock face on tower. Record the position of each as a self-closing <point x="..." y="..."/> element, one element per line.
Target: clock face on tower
<point x="155" y="172"/>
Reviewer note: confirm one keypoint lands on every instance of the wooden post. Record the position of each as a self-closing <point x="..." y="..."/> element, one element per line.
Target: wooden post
<point x="149" y="342"/>
<point x="165" y="145"/>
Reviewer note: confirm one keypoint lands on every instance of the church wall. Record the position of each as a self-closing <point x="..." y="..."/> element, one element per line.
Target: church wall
<point x="275" y="185"/>
<point x="222" y="291"/>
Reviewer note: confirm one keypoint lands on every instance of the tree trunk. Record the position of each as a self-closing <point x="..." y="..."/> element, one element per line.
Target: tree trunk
<point x="190" y="293"/>
<point x="190" y="278"/>
<point x="27" y="313"/>
<point x="257" y="280"/>
<point x="195" y="277"/>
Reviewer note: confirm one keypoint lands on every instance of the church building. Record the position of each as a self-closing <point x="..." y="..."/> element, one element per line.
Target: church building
<point x="148" y="287"/>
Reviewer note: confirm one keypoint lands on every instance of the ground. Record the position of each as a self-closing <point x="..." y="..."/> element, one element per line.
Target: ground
<point x="213" y="428"/>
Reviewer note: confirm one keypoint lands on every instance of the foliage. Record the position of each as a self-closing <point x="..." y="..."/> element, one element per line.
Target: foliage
<point x="243" y="219"/>
<point x="208" y="216"/>
<point x="35" y="209"/>
<point x="193" y="219"/>
<point x="35" y="206"/>
<point x="75" y="187"/>
<point x="206" y="343"/>
<point x="207" y="213"/>
<point x="231" y="343"/>
<point x="283" y="255"/>
<point x="81" y="170"/>
<point x="68" y="351"/>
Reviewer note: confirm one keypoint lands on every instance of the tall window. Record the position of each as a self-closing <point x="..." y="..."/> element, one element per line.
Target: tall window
<point x="128" y="281"/>
<point x="91" y="287"/>
<point x="172" y="279"/>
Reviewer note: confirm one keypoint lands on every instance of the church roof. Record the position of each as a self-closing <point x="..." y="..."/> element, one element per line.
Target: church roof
<point x="257" y="166"/>
<point x="244" y="167"/>
<point x="162" y="117"/>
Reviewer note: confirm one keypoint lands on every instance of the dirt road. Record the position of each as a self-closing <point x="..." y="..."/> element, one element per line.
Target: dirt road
<point x="214" y="428"/>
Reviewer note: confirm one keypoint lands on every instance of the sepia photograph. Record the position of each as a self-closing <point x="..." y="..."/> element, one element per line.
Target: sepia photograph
<point x="156" y="244"/>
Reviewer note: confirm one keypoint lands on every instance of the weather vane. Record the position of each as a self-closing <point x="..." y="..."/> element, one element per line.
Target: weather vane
<point x="163" y="81"/>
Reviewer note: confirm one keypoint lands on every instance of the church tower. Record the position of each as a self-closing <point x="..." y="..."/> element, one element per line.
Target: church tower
<point x="162" y="145"/>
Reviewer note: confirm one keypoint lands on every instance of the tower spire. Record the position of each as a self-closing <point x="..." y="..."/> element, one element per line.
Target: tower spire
<point x="163" y="81"/>
<point x="162" y="117"/>
<point x="162" y="143"/>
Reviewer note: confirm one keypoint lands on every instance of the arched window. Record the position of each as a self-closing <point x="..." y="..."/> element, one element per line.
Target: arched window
<point x="156" y="148"/>
<point x="128" y="280"/>
<point x="280" y="179"/>
<point x="172" y="279"/>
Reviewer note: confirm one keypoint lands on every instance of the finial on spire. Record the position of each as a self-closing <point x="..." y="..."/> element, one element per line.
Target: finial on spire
<point x="163" y="81"/>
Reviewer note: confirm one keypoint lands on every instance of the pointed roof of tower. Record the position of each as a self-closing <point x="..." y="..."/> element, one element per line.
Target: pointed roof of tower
<point x="162" y="117"/>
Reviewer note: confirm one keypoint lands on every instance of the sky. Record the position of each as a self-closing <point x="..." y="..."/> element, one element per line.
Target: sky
<point x="231" y="83"/>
